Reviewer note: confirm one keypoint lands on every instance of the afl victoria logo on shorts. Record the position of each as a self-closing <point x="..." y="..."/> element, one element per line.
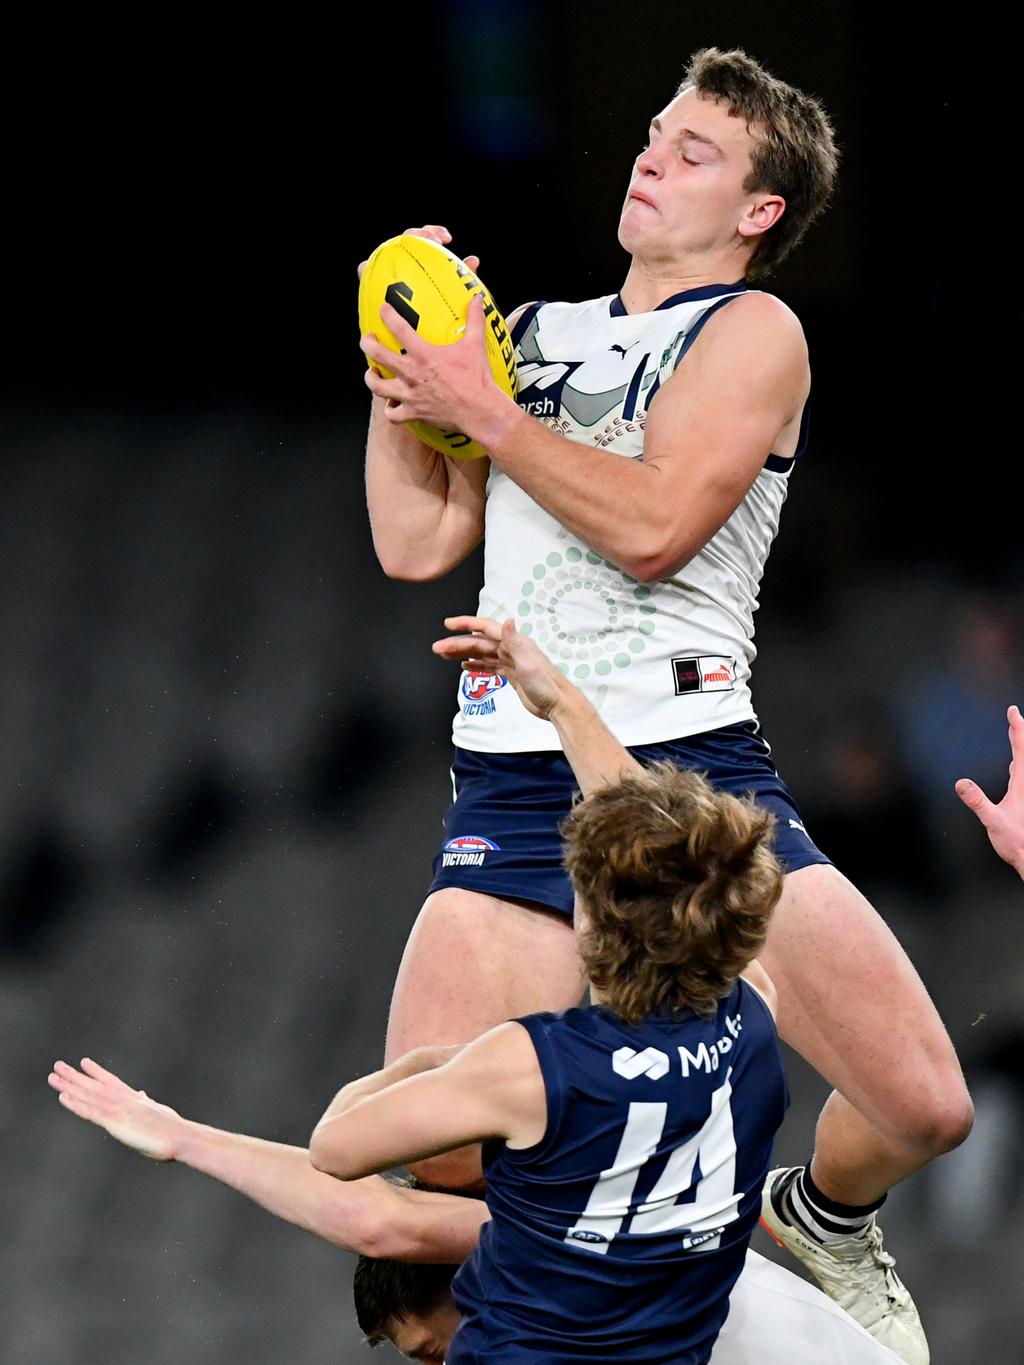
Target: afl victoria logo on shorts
<point x="467" y="850"/>
<point x="706" y="673"/>
<point x="476" y="693"/>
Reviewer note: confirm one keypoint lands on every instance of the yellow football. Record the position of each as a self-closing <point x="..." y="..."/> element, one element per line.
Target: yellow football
<point x="431" y="288"/>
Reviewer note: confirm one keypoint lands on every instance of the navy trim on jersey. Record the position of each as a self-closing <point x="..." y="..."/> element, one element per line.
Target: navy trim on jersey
<point x="805" y="428"/>
<point x="694" y="331"/>
<point x="779" y="464"/>
<point x="617" y="309"/>
<point x="629" y="406"/>
<point x="550" y="1062"/>
<point x="782" y="464"/>
<point x="524" y="320"/>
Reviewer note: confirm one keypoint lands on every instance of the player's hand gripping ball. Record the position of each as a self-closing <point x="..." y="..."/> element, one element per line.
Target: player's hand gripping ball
<point x="431" y="288"/>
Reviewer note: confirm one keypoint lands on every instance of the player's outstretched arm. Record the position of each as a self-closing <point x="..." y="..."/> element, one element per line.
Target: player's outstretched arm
<point x="426" y="511"/>
<point x="1003" y="820"/>
<point x="595" y="755"/>
<point x="370" y="1216"/>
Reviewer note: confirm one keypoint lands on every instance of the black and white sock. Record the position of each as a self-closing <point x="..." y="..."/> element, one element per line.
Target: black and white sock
<point x="799" y="1201"/>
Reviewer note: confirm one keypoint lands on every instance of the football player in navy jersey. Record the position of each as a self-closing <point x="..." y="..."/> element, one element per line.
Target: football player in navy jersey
<point x="648" y="462"/>
<point x="626" y="1142"/>
<point x="774" y="1318"/>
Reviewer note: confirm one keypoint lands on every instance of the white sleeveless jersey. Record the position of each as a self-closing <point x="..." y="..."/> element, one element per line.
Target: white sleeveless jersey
<point x="659" y="660"/>
<point x="776" y="1319"/>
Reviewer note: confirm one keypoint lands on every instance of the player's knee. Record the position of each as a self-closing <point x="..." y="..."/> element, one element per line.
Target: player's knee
<point x="460" y="1170"/>
<point x="943" y="1123"/>
<point x="957" y="1120"/>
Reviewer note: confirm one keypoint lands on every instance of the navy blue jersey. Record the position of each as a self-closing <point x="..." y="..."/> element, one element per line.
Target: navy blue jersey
<point x="621" y="1233"/>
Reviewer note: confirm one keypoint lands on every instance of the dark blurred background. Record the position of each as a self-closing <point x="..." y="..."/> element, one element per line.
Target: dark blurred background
<point x="224" y="739"/>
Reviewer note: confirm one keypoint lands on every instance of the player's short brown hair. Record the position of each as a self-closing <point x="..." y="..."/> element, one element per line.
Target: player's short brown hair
<point x="678" y="882"/>
<point x="384" y="1290"/>
<point x="794" y="153"/>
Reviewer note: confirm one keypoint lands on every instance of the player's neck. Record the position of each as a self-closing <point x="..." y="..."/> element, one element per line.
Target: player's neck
<point x="648" y="284"/>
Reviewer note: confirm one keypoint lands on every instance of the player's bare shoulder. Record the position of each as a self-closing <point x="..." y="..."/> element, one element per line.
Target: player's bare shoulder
<point x="753" y="353"/>
<point x="759" y="322"/>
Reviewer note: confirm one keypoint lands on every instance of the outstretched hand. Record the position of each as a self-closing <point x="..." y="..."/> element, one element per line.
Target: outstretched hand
<point x="128" y="1115"/>
<point x="1003" y="820"/>
<point x="487" y="646"/>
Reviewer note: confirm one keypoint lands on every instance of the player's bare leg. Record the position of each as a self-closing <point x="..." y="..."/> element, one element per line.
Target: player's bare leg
<point x="853" y="1006"/>
<point x="472" y="961"/>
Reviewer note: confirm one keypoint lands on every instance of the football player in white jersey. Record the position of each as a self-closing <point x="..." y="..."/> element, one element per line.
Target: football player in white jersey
<point x="774" y="1318"/>
<point x="649" y="584"/>
<point x="1003" y="820"/>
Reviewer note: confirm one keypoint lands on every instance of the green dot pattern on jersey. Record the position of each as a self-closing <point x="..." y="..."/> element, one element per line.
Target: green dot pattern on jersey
<point x="614" y="641"/>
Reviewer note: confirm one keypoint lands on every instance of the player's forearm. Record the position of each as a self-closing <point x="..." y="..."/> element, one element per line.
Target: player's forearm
<point x="411" y="1064"/>
<point x="617" y="506"/>
<point x="361" y="1134"/>
<point x="594" y="754"/>
<point x="369" y="1217"/>
<point x="419" y="530"/>
<point x="281" y="1180"/>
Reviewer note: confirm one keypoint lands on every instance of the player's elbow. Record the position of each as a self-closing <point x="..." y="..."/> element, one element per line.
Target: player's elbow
<point x="657" y="548"/>
<point x="411" y="562"/>
<point x="399" y="564"/>
<point x="374" y="1239"/>
<point x="358" y="1225"/>
<point x="330" y="1157"/>
<point x="646" y="570"/>
<point x="662" y="561"/>
<point x="414" y="573"/>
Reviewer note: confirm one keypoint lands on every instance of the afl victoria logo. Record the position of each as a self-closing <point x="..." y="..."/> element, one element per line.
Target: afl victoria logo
<point x="467" y="850"/>
<point x="476" y="686"/>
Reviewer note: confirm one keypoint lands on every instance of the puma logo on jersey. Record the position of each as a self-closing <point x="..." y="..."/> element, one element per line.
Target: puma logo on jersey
<point x="622" y="350"/>
<point x="796" y="824"/>
<point x="706" y="673"/>
<point x="652" y="1062"/>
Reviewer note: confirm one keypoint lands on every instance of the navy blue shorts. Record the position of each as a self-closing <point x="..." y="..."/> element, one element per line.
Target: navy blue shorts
<point x="501" y="834"/>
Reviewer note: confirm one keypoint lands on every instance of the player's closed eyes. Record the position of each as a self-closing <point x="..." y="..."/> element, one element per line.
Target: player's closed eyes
<point x="647" y="147"/>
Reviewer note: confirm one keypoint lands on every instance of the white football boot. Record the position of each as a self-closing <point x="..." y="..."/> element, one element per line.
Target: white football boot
<point x="858" y="1274"/>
